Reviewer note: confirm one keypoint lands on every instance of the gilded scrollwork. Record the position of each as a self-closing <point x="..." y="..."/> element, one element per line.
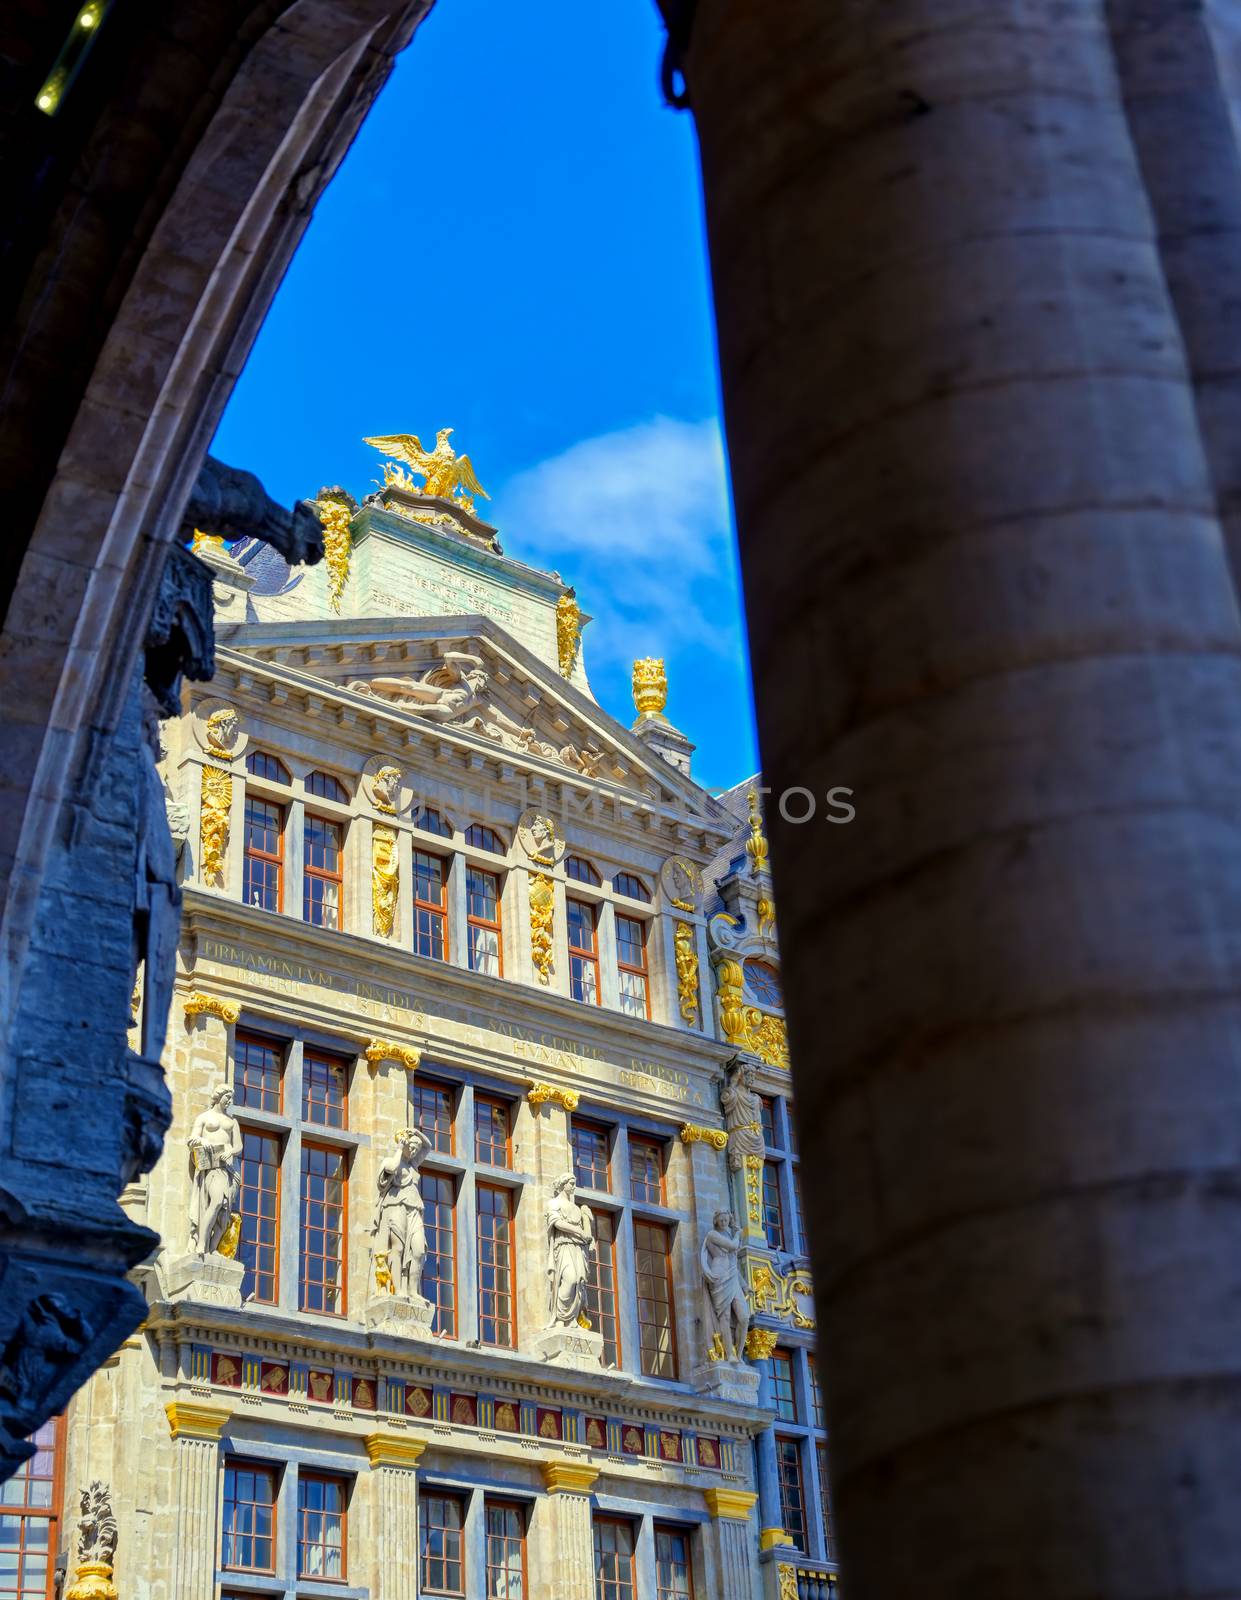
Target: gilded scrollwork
<point x="385" y="879"/>
<point x="539" y="1094"/>
<point x="336" y="509"/>
<point x="388" y="1050"/>
<point x="781" y="1295"/>
<point x="211" y="1005"/>
<point x="542" y="911"/>
<point x="692" y="1133"/>
<point x="685" y="950"/>
<point x="216" y="814"/>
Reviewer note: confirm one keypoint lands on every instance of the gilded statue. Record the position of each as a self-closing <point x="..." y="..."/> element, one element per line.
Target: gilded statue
<point x="727" y="1309"/>
<point x="215" y="1209"/>
<point x="399" y="1246"/>
<point x="446" y="474"/>
<point x="570" y="1241"/>
<point x="385" y="878"/>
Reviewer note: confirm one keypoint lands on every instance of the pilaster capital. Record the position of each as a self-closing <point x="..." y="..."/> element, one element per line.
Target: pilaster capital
<point x="393" y="1450"/>
<point x="773" y="1538"/>
<point x="736" y="1504"/>
<point x="198" y="1004"/>
<point x="193" y="1421"/>
<point x="691" y="1133"/>
<point x="388" y="1050"/>
<point x="540" y="1093"/>
<point x="569" y="1477"/>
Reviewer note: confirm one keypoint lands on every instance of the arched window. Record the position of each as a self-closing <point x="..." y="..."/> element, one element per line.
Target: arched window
<point x="763" y="984"/>
<point x="625" y="883"/>
<point x="325" y="787"/>
<point x="260" y="765"/>
<point x="483" y="838"/>
<point x="432" y="821"/>
<point x="578" y="867"/>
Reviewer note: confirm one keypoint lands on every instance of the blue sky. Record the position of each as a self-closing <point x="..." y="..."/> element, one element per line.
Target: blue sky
<point x="514" y="247"/>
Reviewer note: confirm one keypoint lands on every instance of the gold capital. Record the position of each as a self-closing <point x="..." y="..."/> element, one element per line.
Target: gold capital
<point x="760" y="1343"/>
<point x="769" y="1538"/>
<point x="569" y="1477"/>
<point x="735" y="1504"/>
<point x="539" y="1094"/>
<point x="189" y="1421"/>
<point x="211" y="1005"/>
<point x="386" y="1050"/>
<point x="393" y="1450"/>
<point x="691" y="1133"/>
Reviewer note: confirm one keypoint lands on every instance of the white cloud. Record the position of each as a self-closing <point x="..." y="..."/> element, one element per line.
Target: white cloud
<point x="638" y="520"/>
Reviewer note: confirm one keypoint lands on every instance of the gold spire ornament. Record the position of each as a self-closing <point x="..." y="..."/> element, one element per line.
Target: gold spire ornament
<point x="446" y="474"/>
<point x="650" y="686"/>
<point x="756" y="844"/>
<point x="568" y="631"/>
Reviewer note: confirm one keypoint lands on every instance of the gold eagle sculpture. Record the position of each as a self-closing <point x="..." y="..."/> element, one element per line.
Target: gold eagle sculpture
<point x="446" y="473"/>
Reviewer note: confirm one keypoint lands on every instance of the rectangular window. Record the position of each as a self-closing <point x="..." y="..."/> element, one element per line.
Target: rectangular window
<point x="590" y="1155"/>
<point x="646" y="1171"/>
<point x="782" y="1385"/>
<point x="496" y="1266"/>
<point x="506" y="1551"/>
<point x="482" y="891"/>
<point x="492" y="1132"/>
<point x="257" y="1073"/>
<point x="258" y="1249"/>
<point x="635" y="998"/>
<point x="439" y="1272"/>
<point x="320" y="1527"/>
<point x="614" y="1565"/>
<point x="324" y="1080"/>
<point x="430" y="907"/>
<point x="322" y="857"/>
<point x="441" y="1519"/>
<point x="583" y="952"/>
<point x="818" y="1415"/>
<point x="249" y="1541"/>
<point x="601" y="1302"/>
<point x="30" y="1512"/>
<point x="792" y="1499"/>
<point x="768" y="1113"/>
<point x="674" y="1575"/>
<point x="652" y="1248"/>
<point x="323" y="1230"/>
<point x="799" y="1215"/>
<point x="262" y="881"/>
<point x="430" y="1108"/>
<point x="825" y="1504"/>
<point x="773" y="1211"/>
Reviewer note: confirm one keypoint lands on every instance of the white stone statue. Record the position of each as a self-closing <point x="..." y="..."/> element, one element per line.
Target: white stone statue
<point x="743" y="1116"/>
<point x="215" y="1144"/>
<point x="570" y="1240"/>
<point x="726" y="1306"/>
<point x="440" y="702"/>
<point x="400" y="1241"/>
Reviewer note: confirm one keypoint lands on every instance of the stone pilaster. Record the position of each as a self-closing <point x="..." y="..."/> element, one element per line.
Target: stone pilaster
<point x="734" y="1541"/>
<point x="394" y="1501"/>
<point x="196" y="1431"/>
<point x="568" y="1487"/>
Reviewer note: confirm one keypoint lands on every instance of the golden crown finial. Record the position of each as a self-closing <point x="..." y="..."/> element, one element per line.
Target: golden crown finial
<point x="650" y="686"/>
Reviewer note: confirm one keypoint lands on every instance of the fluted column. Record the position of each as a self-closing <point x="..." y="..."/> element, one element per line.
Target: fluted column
<point x="568" y="1502"/>
<point x="734" y="1541"/>
<point x="196" y="1431"/>
<point x="394" y="1523"/>
<point x="987" y="591"/>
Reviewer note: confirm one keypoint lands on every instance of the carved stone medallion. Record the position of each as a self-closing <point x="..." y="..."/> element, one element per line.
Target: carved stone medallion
<point x="682" y="882"/>
<point x="218" y="729"/>
<point x="540" y="838"/>
<point x="386" y="785"/>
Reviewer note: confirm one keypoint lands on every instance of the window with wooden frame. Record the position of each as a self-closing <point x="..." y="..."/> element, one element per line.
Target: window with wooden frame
<point x="431" y="1109"/>
<point x="441" y="1543"/>
<point x="321" y="1526"/>
<point x="484" y="838"/>
<point x="497" y="1267"/>
<point x="652" y="1250"/>
<point x="493" y="1131"/>
<point x="430" y="906"/>
<point x="258" y="1073"/>
<point x="432" y="821"/>
<point x="767" y="1115"/>
<point x="631" y="887"/>
<point x="792" y="1495"/>
<point x="582" y="871"/>
<point x="615" y="1578"/>
<point x="506" y="1550"/>
<point x="248" y="1542"/>
<point x="31" y="1508"/>
<point x="323" y="1230"/>
<point x="773" y="1209"/>
<point x="825" y="1504"/>
<point x="583" y="952"/>
<point x="439" y="1271"/>
<point x="485" y="948"/>
<point x="258" y="1248"/>
<point x="674" y="1568"/>
<point x="589" y="1144"/>
<point x="260" y="765"/>
<point x="818" y="1415"/>
<point x="263" y="873"/>
<point x="634" y="984"/>
<point x="325" y="1082"/>
<point x="601" y="1297"/>
<point x="784" y="1390"/>
<point x="799" y="1213"/>
<point x="323" y="786"/>
<point x="646" y="1170"/>
<point x="323" y="856"/>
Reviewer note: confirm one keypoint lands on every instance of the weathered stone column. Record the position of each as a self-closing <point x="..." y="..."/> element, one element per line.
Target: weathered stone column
<point x="987" y="590"/>
<point x="734" y="1541"/>
<point x="394" y="1514"/>
<point x="568" y="1487"/>
<point x="196" y="1430"/>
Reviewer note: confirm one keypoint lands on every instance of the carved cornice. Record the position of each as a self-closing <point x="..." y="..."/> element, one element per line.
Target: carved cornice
<point x="198" y="1004"/>
<point x="735" y="1504"/>
<point x="190" y="1421"/>
<point x="393" y="1450"/>
<point x="386" y="1050"/>
<point x="569" y="1477"/>
<point x="539" y="1094"/>
<point x="692" y="1133"/>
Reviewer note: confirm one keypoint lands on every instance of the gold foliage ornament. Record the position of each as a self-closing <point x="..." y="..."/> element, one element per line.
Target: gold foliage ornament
<point x="746" y="1026"/>
<point x="686" y="956"/>
<point x="650" y="686"/>
<point x="568" y="631"/>
<point x="385" y="879"/>
<point x="217" y="808"/>
<point x="542" y="910"/>
<point x="777" y="1295"/>
<point x="336" y="508"/>
<point x="760" y="1343"/>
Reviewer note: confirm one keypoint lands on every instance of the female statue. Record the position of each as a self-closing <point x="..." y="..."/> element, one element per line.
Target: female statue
<point x="727" y="1309"/>
<point x="570" y="1239"/>
<point x="215" y="1143"/>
